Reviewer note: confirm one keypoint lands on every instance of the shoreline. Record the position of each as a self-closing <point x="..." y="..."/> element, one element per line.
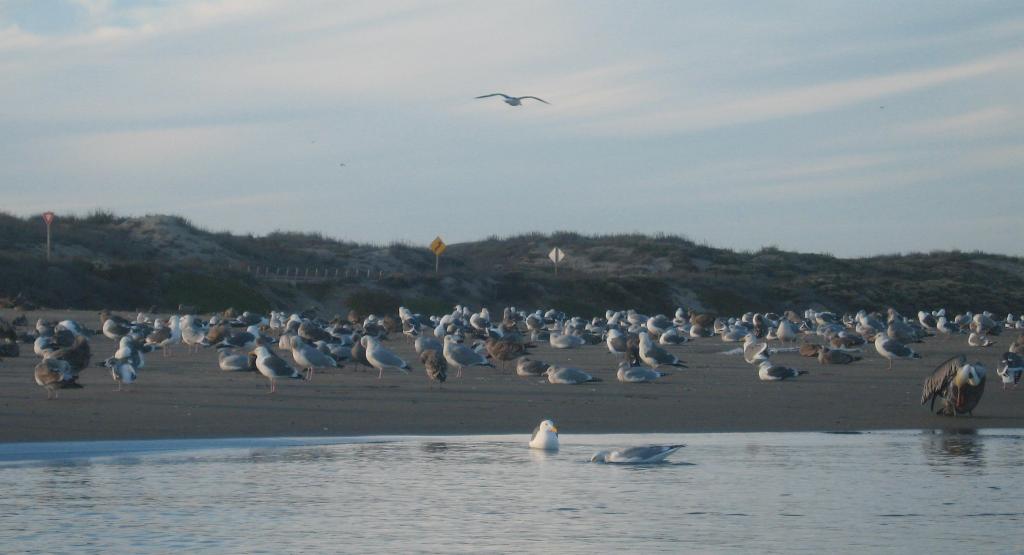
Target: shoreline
<point x="185" y="396"/>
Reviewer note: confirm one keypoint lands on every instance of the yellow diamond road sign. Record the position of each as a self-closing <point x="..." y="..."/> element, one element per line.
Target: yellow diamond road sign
<point x="438" y="246"/>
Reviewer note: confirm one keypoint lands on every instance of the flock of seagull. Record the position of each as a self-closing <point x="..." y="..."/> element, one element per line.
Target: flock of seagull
<point x="465" y="339"/>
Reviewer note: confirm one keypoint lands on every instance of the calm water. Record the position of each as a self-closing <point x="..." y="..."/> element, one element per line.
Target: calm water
<point x="786" y="492"/>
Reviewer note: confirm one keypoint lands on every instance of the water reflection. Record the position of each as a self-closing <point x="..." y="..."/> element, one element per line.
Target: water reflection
<point x="944" y="448"/>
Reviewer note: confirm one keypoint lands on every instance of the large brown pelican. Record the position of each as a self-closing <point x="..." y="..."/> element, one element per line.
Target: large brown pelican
<point x="957" y="384"/>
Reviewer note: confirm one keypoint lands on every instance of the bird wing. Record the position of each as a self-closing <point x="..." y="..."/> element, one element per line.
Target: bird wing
<point x="780" y="372"/>
<point x="494" y="94"/>
<point x="465" y="356"/>
<point x="278" y="366"/>
<point x="386" y="358"/>
<point x="896" y="348"/>
<point x="535" y="98"/>
<point x="647" y="452"/>
<point x="535" y="432"/>
<point x="941" y="377"/>
<point x="575" y="374"/>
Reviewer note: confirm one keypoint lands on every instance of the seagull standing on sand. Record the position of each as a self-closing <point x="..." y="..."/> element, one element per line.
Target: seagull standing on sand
<point x="52" y="374"/>
<point x="655" y="356"/>
<point x="380" y="357"/>
<point x="513" y="100"/>
<point x="1011" y="366"/>
<point x="891" y="349"/>
<point x="545" y="436"/>
<point x="273" y="367"/>
<point x="121" y="370"/>
<point x="310" y="358"/>
<point x="649" y="454"/>
<point x="435" y="365"/>
<point x="461" y="356"/>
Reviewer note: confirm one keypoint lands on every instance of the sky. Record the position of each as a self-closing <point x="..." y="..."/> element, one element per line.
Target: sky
<point x="850" y="128"/>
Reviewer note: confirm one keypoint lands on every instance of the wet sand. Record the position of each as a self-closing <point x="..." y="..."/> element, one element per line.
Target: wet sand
<point x="188" y="396"/>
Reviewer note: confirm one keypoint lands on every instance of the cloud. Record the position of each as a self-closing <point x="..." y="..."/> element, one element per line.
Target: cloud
<point x="986" y="121"/>
<point x="795" y="101"/>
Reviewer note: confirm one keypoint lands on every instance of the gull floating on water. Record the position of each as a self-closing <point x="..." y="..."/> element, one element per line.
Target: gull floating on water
<point x="545" y="436"/>
<point x="514" y="100"/>
<point x="648" y="454"/>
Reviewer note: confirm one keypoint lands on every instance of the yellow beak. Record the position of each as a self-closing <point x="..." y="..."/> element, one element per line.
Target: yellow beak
<point x="554" y="429"/>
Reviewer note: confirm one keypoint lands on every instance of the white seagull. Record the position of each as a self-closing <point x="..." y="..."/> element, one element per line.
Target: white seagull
<point x="545" y="436"/>
<point x="637" y="374"/>
<point x="461" y="356"/>
<point x="890" y="349"/>
<point x="380" y="357"/>
<point x="513" y="100"/>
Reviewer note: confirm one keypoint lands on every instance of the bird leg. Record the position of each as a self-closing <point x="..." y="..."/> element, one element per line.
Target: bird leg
<point x="890" y="364"/>
<point x="381" y="374"/>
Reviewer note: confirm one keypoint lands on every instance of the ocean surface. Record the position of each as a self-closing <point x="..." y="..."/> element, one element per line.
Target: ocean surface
<point x="896" y="492"/>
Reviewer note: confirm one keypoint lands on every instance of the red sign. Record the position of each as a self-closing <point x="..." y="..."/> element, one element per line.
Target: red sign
<point x="48" y="217"/>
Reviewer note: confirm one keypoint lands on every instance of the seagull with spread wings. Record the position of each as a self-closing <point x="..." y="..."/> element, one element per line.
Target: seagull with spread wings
<point x="513" y="100"/>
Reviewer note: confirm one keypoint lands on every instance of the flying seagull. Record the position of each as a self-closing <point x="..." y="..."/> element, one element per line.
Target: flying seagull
<point x="513" y="100"/>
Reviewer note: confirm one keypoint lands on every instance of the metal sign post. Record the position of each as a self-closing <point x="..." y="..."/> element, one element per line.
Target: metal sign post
<point x="437" y="246"/>
<point x="48" y="218"/>
<point x="556" y="255"/>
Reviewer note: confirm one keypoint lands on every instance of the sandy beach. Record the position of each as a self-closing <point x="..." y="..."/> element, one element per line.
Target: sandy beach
<point x="188" y="396"/>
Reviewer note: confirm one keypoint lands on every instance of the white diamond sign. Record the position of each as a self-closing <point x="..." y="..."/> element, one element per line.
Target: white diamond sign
<point x="556" y="255"/>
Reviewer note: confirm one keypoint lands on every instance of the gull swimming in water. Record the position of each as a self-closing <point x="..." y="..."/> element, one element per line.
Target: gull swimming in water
<point x="513" y="100"/>
<point x="545" y="436"/>
<point x="648" y="454"/>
